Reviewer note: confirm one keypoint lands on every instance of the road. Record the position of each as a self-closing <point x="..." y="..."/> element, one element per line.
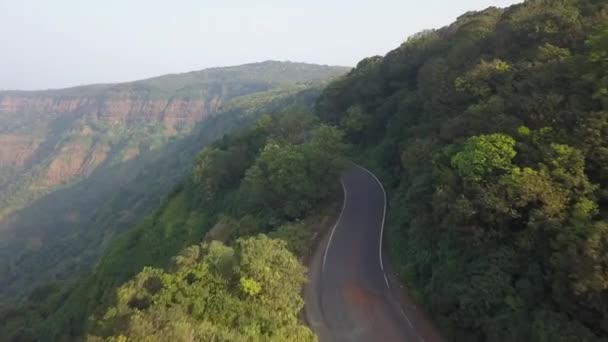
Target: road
<point x="349" y="296"/>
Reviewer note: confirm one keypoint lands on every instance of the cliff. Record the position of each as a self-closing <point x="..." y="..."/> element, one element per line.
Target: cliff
<point x="82" y="125"/>
<point x="53" y="137"/>
<point x="80" y="165"/>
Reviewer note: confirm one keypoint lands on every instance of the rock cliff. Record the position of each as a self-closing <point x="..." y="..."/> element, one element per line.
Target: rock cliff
<point x="53" y="137"/>
<point x="78" y="154"/>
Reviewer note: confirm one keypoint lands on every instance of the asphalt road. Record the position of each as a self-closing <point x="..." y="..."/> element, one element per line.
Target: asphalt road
<point x="349" y="295"/>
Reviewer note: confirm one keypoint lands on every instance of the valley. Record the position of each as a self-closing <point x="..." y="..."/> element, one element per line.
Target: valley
<point x="470" y="163"/>
<point x="107" y="155"/>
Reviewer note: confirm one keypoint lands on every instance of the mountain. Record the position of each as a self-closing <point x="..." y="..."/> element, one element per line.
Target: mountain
<point x="490" y="136"/>
<point x="54" y="137"/>
<point x="80" y="165"/>
<point x="225" y="197"/>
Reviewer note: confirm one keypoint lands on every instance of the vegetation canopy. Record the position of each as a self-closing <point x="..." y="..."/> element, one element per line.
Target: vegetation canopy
<point x="491" y="136"/>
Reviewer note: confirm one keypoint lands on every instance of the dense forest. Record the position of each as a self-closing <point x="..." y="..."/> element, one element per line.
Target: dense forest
<point x="263" y="180"/>
<point x="492" y="137"/>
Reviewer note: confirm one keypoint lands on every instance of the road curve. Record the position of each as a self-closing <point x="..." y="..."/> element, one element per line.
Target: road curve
<point x="349" y="296"/>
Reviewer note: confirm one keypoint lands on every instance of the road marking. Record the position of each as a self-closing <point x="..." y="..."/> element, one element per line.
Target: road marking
<point x="412" y="326"/>
<point x="386" y="280"/>
<point x="335" y="226"/>
<point x="407" y="319"/>
<point x="409" y="322"/>
<point x="382" y="227"/>
<point x="380" y="249"/>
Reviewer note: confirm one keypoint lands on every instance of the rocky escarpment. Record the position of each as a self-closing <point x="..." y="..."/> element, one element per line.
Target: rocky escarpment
<point x="81" y="165"/>
<point x="17" y="149"/>
<point x="76" y="155"/>
<point x="53" y="137"/>
<point x="114" y="111"/>
<point x="74" y="160"/>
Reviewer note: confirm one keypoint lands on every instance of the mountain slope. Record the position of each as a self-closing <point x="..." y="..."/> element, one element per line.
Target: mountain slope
<point x="275" y="177"/>
<point x="54" y="137"/>
<point x="62" y="233"/>
<point x="491" y="136"/>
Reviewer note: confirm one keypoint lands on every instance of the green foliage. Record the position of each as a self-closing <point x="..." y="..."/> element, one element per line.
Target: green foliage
<point x="278" y="181"/>
<point x="287" y="180"/>
<point x="58" y="232"/>
<point x="483" y="78"/>
<point x="598" y="62"/>
<point x="297" y="236"/>
<point x="491" y="136"/>
<point x="217" y="169"/>
<point x="483" y="155"/>
<point x="250" y="286"/>
<point x="206" y="206"/>
<point x="214" y="293"/>
<point x="354" y="120"/>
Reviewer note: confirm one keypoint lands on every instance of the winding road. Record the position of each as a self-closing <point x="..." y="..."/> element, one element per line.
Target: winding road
<point x="350" y="297"/>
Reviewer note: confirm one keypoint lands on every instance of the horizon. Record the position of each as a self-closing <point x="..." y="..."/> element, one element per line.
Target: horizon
<point x="66" y="44"/>
<point x="169" y="74"/>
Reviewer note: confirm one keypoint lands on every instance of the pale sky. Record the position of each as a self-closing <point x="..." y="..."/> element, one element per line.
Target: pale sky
<point x="61" y="43"/>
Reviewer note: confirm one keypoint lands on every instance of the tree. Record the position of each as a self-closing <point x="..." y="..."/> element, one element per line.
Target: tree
<point x="483" y="155"/>
<point x="490" y="134"/>
<point x="214" y="293"/>
<point x="287" y="180"/>
<point x="277" y="182"/>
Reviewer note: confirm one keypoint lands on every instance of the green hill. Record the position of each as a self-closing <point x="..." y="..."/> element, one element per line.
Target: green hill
<point x="491" y="138"/>
<point x="107" y="155"/>
<point x="491" y="134"/>
<point x="231" y="196"/>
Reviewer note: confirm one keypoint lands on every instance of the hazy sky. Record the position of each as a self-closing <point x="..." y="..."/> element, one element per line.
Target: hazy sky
<point x="60" y="43"/>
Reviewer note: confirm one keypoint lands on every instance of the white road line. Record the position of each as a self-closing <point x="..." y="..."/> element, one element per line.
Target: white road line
<point x="380" y="248"/>
<point x="381" y="239"/>
<point x="335" y="226"/>
<point x="412" y="326"/>
<point x="383" y="218"/>
<point x="407" y="319"/>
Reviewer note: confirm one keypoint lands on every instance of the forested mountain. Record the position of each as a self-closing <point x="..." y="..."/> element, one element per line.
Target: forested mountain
<point x="158" y="282"/>
<point x="149" y="132"/>
<point x="492" y="137"/>
<point x="50" y="138"/>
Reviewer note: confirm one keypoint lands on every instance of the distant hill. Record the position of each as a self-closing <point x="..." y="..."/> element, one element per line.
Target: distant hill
<point x="79" y="164"/>
<point x="53" y="137"/>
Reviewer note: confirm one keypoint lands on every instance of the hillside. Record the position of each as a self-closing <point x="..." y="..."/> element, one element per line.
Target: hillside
<point x="491" y="135"/>
<point x="276" y="177"/>
<point x="54" y="137"/>
<point x="149" y="143"/>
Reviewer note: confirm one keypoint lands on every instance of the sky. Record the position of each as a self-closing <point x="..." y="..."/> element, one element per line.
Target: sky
<point x="61" y="43"/>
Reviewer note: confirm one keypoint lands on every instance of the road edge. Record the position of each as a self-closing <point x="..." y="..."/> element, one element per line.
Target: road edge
<point x="380" y="248"/>
<point x="315" y="265"/>
<point x="399" y="290"/>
